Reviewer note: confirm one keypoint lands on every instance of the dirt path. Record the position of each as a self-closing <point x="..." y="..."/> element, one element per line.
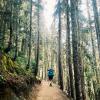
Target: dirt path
<point x="45" y="92"/>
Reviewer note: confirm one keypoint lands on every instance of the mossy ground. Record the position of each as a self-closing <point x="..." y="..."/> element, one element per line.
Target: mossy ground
<point x="14" y="76"/>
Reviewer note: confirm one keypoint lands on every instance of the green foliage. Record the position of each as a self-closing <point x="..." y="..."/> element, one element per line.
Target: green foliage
<point x="10" y="69"/>
<point x="38" y="6"/>
<point x="2" y="79"/>
<point x="20" y="71"/>
<point x="22" y="61"/>
<point x="33" y="63"/>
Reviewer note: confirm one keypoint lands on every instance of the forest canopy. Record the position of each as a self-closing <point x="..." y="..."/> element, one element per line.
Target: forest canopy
<point x="64" y="35"/>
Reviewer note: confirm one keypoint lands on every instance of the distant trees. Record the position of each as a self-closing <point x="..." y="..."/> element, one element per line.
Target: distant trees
<point x="16" y="33"/>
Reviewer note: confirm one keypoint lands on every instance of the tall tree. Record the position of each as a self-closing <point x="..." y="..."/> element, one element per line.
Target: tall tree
<point x="30" y="35"/>
<point x="97" y="24"/>
<point x="75" y="49"/>
<point x="17" y="23"/>
<point x="38" y="39"/>
<point x="92" y="41"/>
<point x="68" y="48"/>
<point x="11" y="28"/>
<point x="81" y="66"/>
<point x="60" y="77"/>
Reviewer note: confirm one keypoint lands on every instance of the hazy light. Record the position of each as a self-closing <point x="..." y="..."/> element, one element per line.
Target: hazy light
<point x="49" y="6"/>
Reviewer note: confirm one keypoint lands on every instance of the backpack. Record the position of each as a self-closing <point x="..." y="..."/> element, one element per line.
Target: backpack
<point x="50" y="72"/>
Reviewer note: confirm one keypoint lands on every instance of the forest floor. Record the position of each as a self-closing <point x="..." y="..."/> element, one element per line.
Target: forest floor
<point x="45" y="92"/>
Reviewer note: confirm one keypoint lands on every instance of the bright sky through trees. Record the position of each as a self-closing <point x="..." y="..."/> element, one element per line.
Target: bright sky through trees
<point x="49" y="6"/>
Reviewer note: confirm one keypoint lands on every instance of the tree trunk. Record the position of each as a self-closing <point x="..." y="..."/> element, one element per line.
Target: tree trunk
<point x="82" y="73"/>
<point x="60" y="75"/>
<point x="68" y="48"/>
<point x="30" y="36"/>
<point x="92" y="41"/>
<point x="97" y="24"/>
<point x="16" y="41"/>
<point x="17" y="9"/>
<point x="11" y="32"/>
<point x="81" y="67"/>
<point x="38" y="39"/>
<point x="75" y="50"/>
<point x="3" y="38"/>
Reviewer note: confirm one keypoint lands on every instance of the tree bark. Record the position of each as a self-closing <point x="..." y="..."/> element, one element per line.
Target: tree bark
<point x="68" y="48"/>
<point x="60" y="75"/>
<point x="11" y="31"/>
<point x="81" y="67"/>
<point x="38" y="39"/>
<point x="77" y="74"/>
<point x="97" y="24"/>
<point x="92" y="41"/>
<point x="30" y="36"/>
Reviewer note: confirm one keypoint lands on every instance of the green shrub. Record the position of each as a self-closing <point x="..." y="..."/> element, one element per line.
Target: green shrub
<point x="2" y="79"/>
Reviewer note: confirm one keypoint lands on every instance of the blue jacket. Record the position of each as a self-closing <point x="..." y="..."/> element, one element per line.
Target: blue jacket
<point x="50" y="72"/>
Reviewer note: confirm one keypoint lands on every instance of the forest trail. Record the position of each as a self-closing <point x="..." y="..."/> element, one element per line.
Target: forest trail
<point x="45" y="92"/>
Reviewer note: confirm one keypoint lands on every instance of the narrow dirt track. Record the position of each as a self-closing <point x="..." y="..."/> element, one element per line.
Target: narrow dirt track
<point x="45" y="92"/>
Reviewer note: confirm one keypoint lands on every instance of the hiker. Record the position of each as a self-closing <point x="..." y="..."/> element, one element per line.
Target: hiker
<point x="50" y="75"/>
